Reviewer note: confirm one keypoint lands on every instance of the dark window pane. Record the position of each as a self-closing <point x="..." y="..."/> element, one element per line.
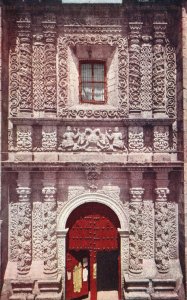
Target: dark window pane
<point x="86" y="72"/>
<point x="98" y="72"/>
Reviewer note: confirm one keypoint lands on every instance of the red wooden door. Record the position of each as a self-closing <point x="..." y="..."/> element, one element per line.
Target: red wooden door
<point x="92" y="229"/>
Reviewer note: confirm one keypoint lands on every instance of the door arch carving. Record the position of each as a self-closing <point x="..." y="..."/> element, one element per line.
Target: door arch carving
<point x="118" y="209"/>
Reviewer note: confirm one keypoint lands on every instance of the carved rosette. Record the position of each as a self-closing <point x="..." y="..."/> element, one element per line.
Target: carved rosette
<point x="134" y="67"/>
<point x="148" y="229"/>
<point x="161" y="230"/>
<point x="71" y="40"/>
<point x="25" y="63"/>
<point x="170" y="79"/>
<point x="38" y="72"/>
<point x="136" y="230"/>
<point x="146" y="73"/>
<point x="49" y="230"/>
<point x="50" y="81"/>
<point x="159" y="72"/>
<point x="173" y="230"/>
<point x="24" y="230"/>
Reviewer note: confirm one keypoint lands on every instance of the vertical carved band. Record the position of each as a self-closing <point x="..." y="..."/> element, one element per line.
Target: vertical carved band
<point x="136" y="230"/>
<point x="49" y="27"/>
<point x="25" y="63"/>
<point x="161" y="230"/>
<point x="173" y="230"/>
<point x="146" y="73"/>
<point x="49" y="232"/>
<point x="159" y="78"/>
<point x="134" y="67"/>
<point x="37" y="231"/>
<point x="148" y="229"/>
<point x="13" y="249"/>
<point x="170" y="80"/>
<point x="24" y="230"/>
<point x="38" y="72"/>
<point x="13" y="79"/>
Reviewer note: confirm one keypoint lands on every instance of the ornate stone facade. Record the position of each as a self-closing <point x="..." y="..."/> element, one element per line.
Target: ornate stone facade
<point x="63" y="153"/>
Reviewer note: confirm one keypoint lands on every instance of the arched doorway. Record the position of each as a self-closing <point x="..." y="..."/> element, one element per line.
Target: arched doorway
<point x="93" y="253"/>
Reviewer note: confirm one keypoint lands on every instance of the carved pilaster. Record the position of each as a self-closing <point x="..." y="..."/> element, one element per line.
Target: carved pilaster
<point x="38" y="72"/>
<point x="13" y="231"/>
<point x="25" y="63"/>
<point x="146" y="73"/>
<point x="161" y="230"/>
<point x="24" y="224"/>
<point x="148" y="229"/>
<point x="134" y="67"/>
<point x="159" y="72"/>
<point x="49" y="230"/>
<point x="173" y="230"/>
<point x="50" y="77"/>
<point x="136" y="230"/>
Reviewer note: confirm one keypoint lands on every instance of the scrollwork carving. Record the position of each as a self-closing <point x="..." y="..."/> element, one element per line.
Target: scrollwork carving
<point x="24" y="138"/>
<point x="136" y="139"/>
<point x="173" y="240"/>
<point x="170" y="79"/>
<point x="13" y="79"/>
<point x="148" y="229"/>
<point x="49" y="139"/>
<point x="161" y="139"/>
<point x="13" y="250"/>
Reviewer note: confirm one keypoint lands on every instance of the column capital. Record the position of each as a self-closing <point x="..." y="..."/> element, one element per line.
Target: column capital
<point x="161" y="194"/>
<point x="23" y="193"/>
<point x="49" y="193"/>
<point x="136" y="194"/>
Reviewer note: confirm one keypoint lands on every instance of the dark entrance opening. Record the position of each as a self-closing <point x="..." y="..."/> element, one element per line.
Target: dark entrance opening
<point x="107" y="270"/>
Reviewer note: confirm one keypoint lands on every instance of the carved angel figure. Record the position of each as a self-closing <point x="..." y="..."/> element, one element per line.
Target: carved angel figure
<point x="68" y="141"/>
<point x="117" y="139"/>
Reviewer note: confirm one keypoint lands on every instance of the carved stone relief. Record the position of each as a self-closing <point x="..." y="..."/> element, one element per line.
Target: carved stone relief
<point x="162" y="230"/>
<point x="24" y="230"/>
<point x="93" y="172"/>
<point x="49" y="138"/>
<point x="49" y="230"/>
<point x="13" y="79"/>
<point x="136" y="139"/>
<point x="13" y="232"/>
<point x="173" y="230"/>
<point x="136" y="230"/>
<point x="148" y="229"/>
<point x="37" y="231"/>
<point x="161" y="139"/>
<point x="24" y="138"/>
<point x="92" y="140"/>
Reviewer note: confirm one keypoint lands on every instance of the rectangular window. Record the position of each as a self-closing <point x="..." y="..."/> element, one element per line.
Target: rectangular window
<point x="92" y="82"/>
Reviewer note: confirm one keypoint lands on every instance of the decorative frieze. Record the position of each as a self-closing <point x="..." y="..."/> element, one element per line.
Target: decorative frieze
<point x="162" y="230"/>
<point x="136" y="230"/>
<point x="25" y="63"/>
<point x="38" y="72"/>
<point x="50" y="75"/>
<point x="134" y="67"/>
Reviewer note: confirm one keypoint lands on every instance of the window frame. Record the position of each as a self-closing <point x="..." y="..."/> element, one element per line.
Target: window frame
<point x="92" y="62"/>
